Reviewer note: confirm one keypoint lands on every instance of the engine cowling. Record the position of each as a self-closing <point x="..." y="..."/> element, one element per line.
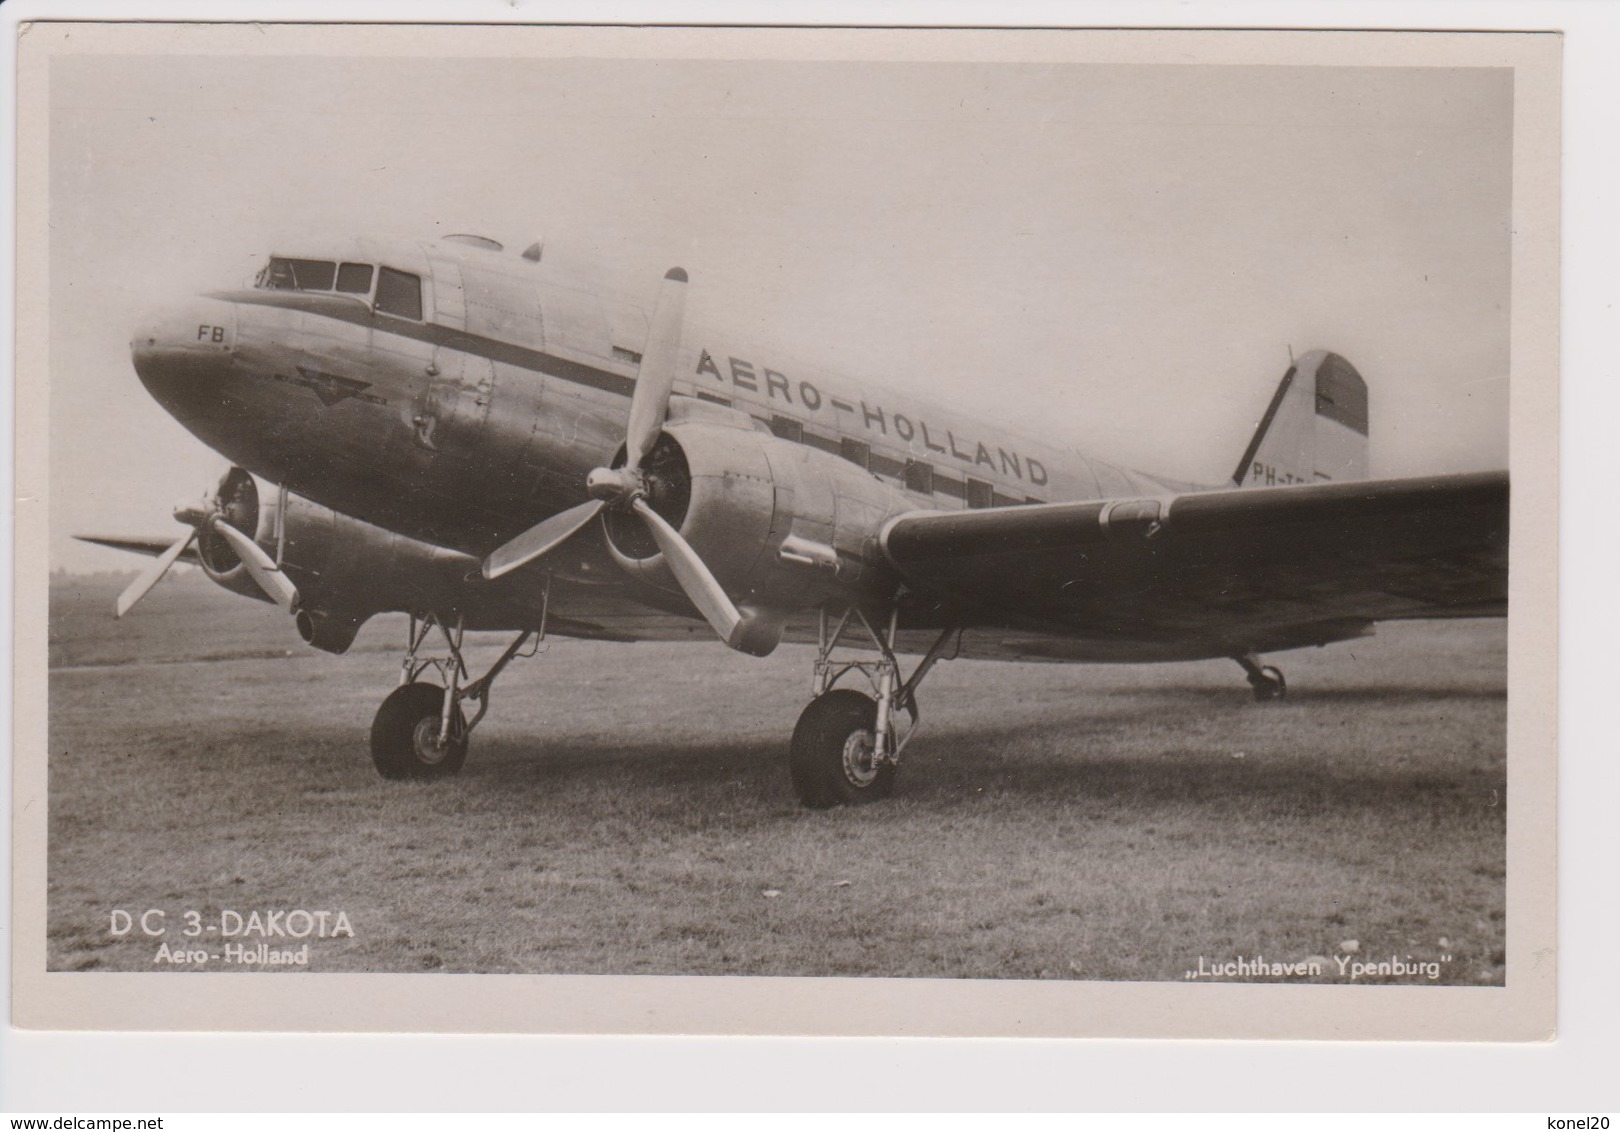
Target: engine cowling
<point x="777" y="522"/>
<point x="236" y="500"/>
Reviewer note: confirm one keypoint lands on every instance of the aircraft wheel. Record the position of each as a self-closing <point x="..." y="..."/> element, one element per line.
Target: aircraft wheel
<point x="405" y="735"/>
<point x="831" y="759"/>
<point x="1273" y="687"/>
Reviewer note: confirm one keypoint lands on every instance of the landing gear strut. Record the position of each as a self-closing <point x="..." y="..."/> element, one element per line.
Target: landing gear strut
<point x="1266" y="680"/>
<point x="847" y="745"/>
<point x="421" y="731"/>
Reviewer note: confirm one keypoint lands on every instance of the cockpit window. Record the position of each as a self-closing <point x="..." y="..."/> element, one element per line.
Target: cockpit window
<point x="399" y="293"/>
<point x="354" y="278"/>
<point x="298" y="275"/>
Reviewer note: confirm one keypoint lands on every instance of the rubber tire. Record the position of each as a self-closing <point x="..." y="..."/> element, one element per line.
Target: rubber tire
<point x="816" y="758"/>
<point x="1276" y="687"/>
<point x="393" y="734"/>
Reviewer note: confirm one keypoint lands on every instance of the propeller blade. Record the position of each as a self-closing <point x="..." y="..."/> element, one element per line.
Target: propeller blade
<point x="259" y="564"/>
<point x="649" y="404"/>
<point x="152" y="574"/>
<point x="696" y="581"/>
<point x="540" y="539"/>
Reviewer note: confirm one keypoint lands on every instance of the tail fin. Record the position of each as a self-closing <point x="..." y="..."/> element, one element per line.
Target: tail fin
<point x="1315" y="428"/>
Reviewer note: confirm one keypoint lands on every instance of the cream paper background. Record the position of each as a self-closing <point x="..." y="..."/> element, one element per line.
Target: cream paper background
<point x="1522" y="1011"/>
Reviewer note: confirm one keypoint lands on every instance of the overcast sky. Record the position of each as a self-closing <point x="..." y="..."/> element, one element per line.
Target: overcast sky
<point x="1117" y="258"/>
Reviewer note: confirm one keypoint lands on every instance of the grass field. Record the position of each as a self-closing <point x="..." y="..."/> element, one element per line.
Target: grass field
<point x="626" y="809"/>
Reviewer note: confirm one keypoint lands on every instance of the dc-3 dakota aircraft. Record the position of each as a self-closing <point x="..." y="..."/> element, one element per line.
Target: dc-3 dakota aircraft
<point x="464" y="434"/>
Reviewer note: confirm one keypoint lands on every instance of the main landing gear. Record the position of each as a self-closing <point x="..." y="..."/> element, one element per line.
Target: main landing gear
<point x="847" y="745"/>
<point x="1266" y="680"/>
<point x="421" y="731"/>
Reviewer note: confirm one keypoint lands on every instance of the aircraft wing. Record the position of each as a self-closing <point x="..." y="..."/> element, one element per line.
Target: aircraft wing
<point x="1219" y="572"/>
<point x="148" y="546"/>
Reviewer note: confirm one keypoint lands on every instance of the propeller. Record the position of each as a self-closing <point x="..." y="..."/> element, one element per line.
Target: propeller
<point x="692" y="574"/>
<point x="153" y="574"/>
<point x="625" y="487"/>
<point x="259" y="565"/>
<point x="211" y="517"/>
<point x="540" y="539"/>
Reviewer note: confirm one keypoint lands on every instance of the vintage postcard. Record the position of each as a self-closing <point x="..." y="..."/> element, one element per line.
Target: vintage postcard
<point x="566" y="529"/>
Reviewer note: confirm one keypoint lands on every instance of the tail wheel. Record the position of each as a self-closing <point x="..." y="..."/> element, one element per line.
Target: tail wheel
<point x="1271" y="685"/>
<point x="833" y="757"/>
<point x="405" y="734"/>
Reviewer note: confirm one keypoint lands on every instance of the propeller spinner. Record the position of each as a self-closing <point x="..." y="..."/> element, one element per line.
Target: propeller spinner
<point x="626" y="486"/>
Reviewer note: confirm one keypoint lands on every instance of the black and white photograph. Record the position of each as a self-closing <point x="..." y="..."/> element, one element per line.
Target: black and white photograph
<point x="969" y="531"/>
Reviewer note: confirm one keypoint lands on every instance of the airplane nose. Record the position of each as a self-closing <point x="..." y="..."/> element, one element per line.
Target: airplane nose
<point x="197" y="327"/>
<point x="183" y="344"/>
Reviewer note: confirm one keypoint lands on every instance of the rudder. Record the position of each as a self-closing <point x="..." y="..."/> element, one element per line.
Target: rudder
<point x="1315" y="428"/>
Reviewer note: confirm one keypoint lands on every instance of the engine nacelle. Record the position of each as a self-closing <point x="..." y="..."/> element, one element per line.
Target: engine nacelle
<point x="776" y="522"/>
<point x="346" y="570"/>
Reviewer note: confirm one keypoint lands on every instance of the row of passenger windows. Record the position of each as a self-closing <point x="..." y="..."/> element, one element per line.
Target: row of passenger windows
<point x="399" y="293"/>
<point x="917" y="475"/>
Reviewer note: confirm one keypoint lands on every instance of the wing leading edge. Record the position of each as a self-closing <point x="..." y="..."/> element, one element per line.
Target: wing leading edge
<point x="152" y="547"/>
<point x="1220" y="572"/>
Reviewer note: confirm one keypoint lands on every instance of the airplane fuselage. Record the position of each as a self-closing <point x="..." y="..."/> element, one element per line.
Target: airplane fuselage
<point x="448" y="396"/>
<point x="464" y="425"/>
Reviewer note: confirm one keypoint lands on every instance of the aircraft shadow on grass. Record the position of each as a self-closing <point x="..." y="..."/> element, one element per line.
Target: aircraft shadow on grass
<point x="1095" y="765"/>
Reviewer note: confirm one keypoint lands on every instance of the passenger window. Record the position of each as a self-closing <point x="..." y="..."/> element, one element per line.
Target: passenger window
<point x="857" y="452"/>
<point x="354" y="278"/>
<point x="978" y="493"/>
<point x="788" y="429"/>
<point x="399" y="293"/>
<point x="919" y="477"/>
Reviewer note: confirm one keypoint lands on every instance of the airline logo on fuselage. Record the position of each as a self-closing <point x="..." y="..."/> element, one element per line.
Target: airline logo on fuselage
<point x="777" y="386"/>
<point x="329" y="388"/>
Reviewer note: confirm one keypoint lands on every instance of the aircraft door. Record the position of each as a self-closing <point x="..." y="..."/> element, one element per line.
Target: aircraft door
<point x="451" y="412"/>
<point x="438" y="402"/>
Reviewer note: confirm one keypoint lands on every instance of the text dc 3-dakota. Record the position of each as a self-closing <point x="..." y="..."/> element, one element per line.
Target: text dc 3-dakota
<point x="465" y="434"/>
